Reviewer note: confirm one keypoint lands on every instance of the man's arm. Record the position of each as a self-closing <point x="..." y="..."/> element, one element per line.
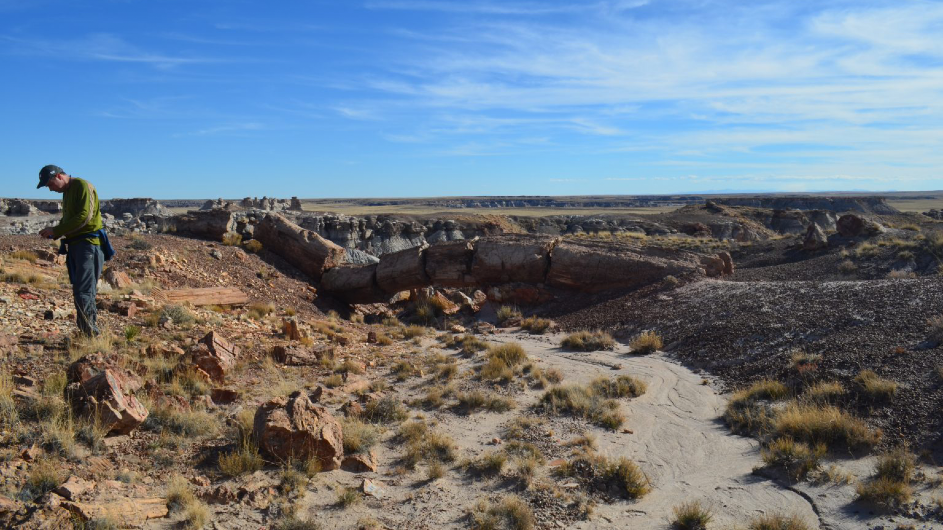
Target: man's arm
<point x="77" y="210"/>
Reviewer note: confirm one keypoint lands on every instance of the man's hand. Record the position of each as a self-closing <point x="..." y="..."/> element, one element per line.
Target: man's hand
<point x="46" y="233"/>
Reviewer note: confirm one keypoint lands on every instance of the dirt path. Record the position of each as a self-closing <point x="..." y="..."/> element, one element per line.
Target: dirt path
<point x="679" y="441"/>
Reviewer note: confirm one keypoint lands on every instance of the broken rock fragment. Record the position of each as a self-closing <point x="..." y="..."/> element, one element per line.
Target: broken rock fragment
<point x="214" y="355"/>
<point x="295" y="428"/>
<point x="109" y="396"/>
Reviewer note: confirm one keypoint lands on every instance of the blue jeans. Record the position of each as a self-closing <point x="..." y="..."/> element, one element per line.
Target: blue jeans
<point x="84" y="262"/>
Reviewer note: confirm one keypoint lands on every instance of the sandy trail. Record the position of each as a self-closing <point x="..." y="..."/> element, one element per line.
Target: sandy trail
<point x="678" y="439"/>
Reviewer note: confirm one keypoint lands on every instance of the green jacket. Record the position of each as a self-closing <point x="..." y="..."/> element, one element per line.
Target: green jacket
<point x="80" y="213"/>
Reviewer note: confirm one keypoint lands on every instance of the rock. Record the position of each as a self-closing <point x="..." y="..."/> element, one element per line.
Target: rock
<point x="514" y="258"/>
<point x="215" y="355"/>
<point x="208" y="224"/>
<point x="360" y="463"/>
<point x="596" y="266"/>
<point x="290" y="329"/>
<point x="106" y="396"/>
<point x="851" y="225"/>
<point x="402" y="270"/>
<point x="31" y="453"/>
<point x="89" y="366"/>
<point x="304" y="249"/>
<point x="215" y="253"/>
<point x="815" y="238"/>
<point x="352" y="409"/>
<point x="696" y="229"/>
<point x="449" y="264"/>
<point x="126" y="512"/>
<point x="73" y="487"/>
<point x="353" y="283"/>
<point x="169" y="351"/>
<point x="371" y="488"/>
<point x="116" y="279"/>
<point x="371" y="337"/>
<point x="455" y="328"/>
<point x="293" y="356"/>
<point x="294" y="427"/>
<point x="224" y="396"/>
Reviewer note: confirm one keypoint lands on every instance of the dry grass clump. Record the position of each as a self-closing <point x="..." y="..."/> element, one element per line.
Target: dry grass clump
<point x="536" y="326"/>
<point x="823" y="424"/>
<point x="622" y="386"/>
<point x="25" y="255"/>
<point x="232" y="239"/>
<point x="745" y="410"/>
<point x="582" y="401"/>
<point x="384" y="410"/>
<point x="333" y="381"/>
<point x="796" y="458"/>
<point x="889" y="488"/>
<point x="413" y="331"/>
<point x="588" y="341"/>
<point x="508" y="314"/>
<point x="620" y="475"/>
<point x="874" y="387"/>
<point x="44" y="476"/>
<point x="245" y="459"/>
<point x="469" y="402"/>
<point x="847" y="267"/>
<point x="403" y="370"/>
<point x="823" y="392"/>
<point x="348" y="497"/>
<point x="501" y="360"/>
<point x="425" y="445"/>
<point x="8" y="414"/>
<point x="190" y="424"/>
<point x="359" y="436"/>
<point x="489" y="464"/>
<point x="470" y="344"/>
<point x="646" y="342"/>
<point x="260" y="311"/>
<point x="691" y="515"/>
<point x="510" y="513"/>
<point x="803" y="362"/>
<point x="778" y="522"/>
<point x="253" y="245"/>
<point x="180" y="498"/>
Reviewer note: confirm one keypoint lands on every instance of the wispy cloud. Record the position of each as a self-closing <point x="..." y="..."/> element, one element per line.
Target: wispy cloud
<point x="228" y="129"/>
<point x="104" y="47"/>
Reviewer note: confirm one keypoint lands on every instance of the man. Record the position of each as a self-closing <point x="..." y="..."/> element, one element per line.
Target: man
<point x="81" y="228"/>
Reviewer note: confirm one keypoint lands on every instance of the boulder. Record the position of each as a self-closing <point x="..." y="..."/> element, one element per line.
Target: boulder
<point x="513" y="258"/>
<point x="295" y="428"/>
<point x="815" y="239"/>
<point x="293" y="356"/>
<point x="306" y="250"/>
<point x="403" y="270"/>
<point x="214" y="355"/>
<point x="851" y="225"/>
<point x="596" y="265"/>
<point x="208" y="224"/>
<point x="449" y="264"/>
<point x="360" y="463"/>
<point x="105" y="396"/>
<point x="355" y="284"/>
<point x="91" y="365"/>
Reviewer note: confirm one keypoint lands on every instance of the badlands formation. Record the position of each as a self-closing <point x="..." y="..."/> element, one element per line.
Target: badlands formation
<point x="748" y="362"/>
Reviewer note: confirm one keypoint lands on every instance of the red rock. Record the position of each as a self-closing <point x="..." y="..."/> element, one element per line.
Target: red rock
<point x="401" y="271"/>
<point x="116" y="279"/>
<point x="105" y="395"/>
<point x="371" y="337"/>
<point x="126" y="512"/>
<point x="224" y="396"/>
<point x="517" y="258"/>
<point x="360" y="463"/>
<point x="293" y="356"/>
<point x="290" y="329"/>
<point x="215" y="355"/>
<point x="294" y="427"/>
<point x="73" y="487"/>
<point x="304" y="249"/>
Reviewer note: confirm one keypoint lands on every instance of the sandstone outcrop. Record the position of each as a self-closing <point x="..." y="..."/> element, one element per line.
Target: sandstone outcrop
<point x="304" y="249"/>
<point x="297" y="429"/>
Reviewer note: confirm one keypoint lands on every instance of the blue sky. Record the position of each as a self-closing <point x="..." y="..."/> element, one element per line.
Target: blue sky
<point x="405" y="98"/>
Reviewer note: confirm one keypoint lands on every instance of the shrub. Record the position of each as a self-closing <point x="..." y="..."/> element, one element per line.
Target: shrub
<point x="884" y="492"/>
<point x="348" y="497"/>
<point x="471" y="401"/>
<point x="588" y="341"/>
<point x="621" y="475"/>
<point x="413" y="330"/>
<point x="232" y="239"/>
<point x="131" y="333"/>
<point x="425" y="445"/>
<point x="25" y="255"/>
<point x="777" y="522"/>
<point x="874" y="387"/>
<point x="245" y="459"/>
<point x="359" y="437"/>
<point x="491" y="463"/>
<point x="691" y="515"/>
<point x="44" y="476"/>
<point x="796" y="458"/>
<point x="802" y="361"/>
<point x="333" y="380"/>
<point x="138" y="243"/>
<point x="936" y="328"/>
<point x="253" y="245"/>
<point x="897" y="465"/>
<point x="507" y="314"/>
<point x="847" y="267"/>
<point x="536" y="326"/>
<point x="512" y="354"/>
<point x="583" y="402"/>
<point x="511" y="512"/>
<point x="622" y="386"/>
<point x="260" y="311"/>
<point x="470" y="344"/>
<point x="385" y="410"/>
<point x="744" y="413"/>
<point x="823" y="392"/>
<point x="646" y="342"/>
<point x="178" y="314"/>
<point x="185" y="423"/>
<point x="823" y="424"/>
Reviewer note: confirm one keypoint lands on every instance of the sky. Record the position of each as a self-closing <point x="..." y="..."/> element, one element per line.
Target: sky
<point x="420" y="98"/>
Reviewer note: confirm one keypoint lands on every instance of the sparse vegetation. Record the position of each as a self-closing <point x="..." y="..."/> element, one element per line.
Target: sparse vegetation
<point x="232" y="239"/>
<point x="823" y="392"/>
<point x="508" y="314"/>
<point x="425" y="445"/>
<point x="823" y="424"/>
<point x="359" y="437"/>
<point x="535" y="325"/>
<point x="588" y="341"/>
<point x="874" y="387"/>
<point x="348" y="497"/>
<point x="621" y="475"/>
<point x="796" y="458"/>
<point x="253" y="245"/>
<point x="646" y="342"/>
<point x="501" y="360"/>
<point x="778" y="522"/>
<point x="245" y="459"/>
<point x="691" y="515"/>
<point x="469" y="402"/>
<point x="583" y="401"/>
<point x="745" y="412"/>
<point x="511" y="513"/>
<point x="260" y="311"/>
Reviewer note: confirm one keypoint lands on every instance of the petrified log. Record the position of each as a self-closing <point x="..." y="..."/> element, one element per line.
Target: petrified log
<point x="354" y="283"/>
<point x="515" y="258"/>
<point x="449" y="264"/>
<point x="598" y="266"/>
<point x="295" y="428"/>
<point x="402" y="271"/>
<point x="306" y="250"/>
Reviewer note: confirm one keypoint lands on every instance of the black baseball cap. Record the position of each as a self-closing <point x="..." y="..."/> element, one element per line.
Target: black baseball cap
<point x="46" y="173"/>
